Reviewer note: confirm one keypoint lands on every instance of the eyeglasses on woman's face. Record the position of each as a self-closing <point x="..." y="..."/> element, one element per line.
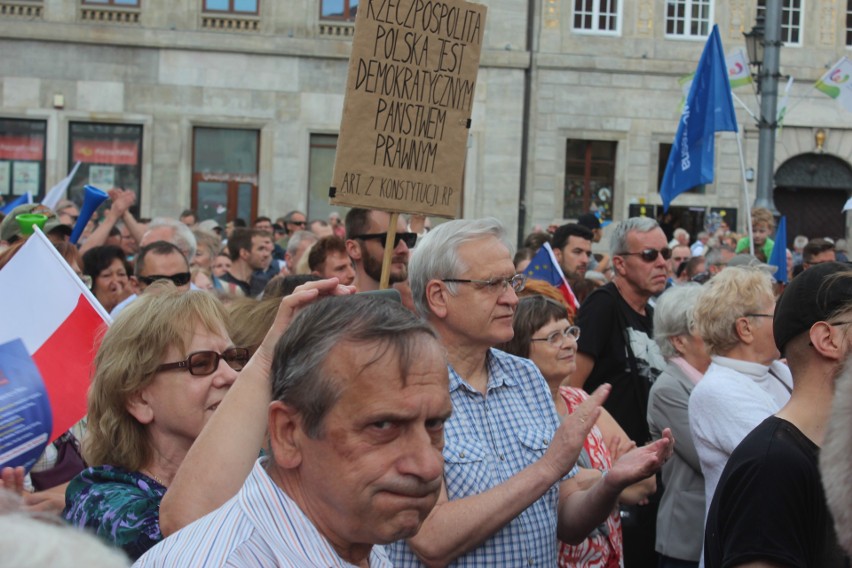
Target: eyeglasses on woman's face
<point x="203" y="363"/>
<point x="557" y="338"/>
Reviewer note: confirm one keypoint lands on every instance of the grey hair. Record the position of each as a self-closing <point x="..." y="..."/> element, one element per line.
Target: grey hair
<point x="714" y="255"/>
<point x="299" y="375"/>
<point x="436" y="254"/>
<point x="618" y="240"/>
<point x="34" y="540"/>
<point x="296" y="240"/>
<point x="674" y="316"/>
<point x="184" y="239"/>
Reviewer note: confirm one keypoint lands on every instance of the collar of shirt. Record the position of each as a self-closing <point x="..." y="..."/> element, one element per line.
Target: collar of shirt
<point x="756" y="371"/>
<point x="498" y="374"/>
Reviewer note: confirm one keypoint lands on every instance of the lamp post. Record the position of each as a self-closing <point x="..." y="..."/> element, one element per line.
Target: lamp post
<point x="763" y="44"/>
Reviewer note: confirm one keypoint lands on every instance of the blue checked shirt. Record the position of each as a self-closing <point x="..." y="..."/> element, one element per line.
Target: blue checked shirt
<point x="259" y="526"/>
<point x="488" y="440"/>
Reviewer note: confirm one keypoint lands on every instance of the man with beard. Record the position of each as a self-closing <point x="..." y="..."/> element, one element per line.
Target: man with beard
<point x="251" y="251"/>
<point x="572" y="247"/>
<point x="366" y="233"/>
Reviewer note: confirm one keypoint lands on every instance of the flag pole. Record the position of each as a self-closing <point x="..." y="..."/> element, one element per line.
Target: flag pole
<point x="745" y="192"/>
<point x="745" y="107"/>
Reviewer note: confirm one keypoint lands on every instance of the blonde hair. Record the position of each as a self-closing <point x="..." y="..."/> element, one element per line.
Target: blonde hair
<point x="764" y="216"/>
<point x="728" y="296"/>
<point x="127" y="362"/>
<point x="250" y="320"/>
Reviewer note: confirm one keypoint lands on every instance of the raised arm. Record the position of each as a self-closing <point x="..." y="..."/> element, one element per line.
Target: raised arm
<point x="454" y="528"/>
<point x="121" y="202"/>
<point x="203" y="483"/>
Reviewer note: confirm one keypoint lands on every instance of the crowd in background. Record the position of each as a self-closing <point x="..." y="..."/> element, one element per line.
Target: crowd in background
<point x="601" y="432"/>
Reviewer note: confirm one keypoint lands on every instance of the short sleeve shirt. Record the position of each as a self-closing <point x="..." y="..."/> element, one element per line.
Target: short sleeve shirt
<point x="770" y="505"/>
<point x="603" y="318"/>
<point x="488" y="440"/>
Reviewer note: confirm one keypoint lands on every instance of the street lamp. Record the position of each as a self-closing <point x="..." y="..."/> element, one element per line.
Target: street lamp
<point x="754" y="49"/>
<point x="763" y="44"/>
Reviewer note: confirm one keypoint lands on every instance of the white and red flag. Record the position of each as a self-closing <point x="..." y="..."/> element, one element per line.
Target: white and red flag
<point x="48" y="308"/>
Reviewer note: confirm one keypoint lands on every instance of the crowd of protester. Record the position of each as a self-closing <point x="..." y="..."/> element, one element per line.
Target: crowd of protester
<point x="249" y="408"/>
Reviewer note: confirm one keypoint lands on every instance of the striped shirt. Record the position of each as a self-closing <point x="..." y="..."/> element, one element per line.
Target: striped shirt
<point x="260" y="526"/>
<point x="488" y="440"/>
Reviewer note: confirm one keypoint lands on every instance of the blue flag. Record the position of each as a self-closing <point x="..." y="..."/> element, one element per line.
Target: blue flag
<point x="543" y="266"/>
<point x="22" y="200"/>
<point x="709" y="108"/>
<point x="778" y="258"/>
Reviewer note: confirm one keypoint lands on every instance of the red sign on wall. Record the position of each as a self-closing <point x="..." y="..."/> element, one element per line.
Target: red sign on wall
<point x="105" y="152"/>
<point x="21" y="148"/>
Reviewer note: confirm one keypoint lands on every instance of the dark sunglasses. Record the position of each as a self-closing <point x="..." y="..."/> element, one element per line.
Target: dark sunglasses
<point x="410" y="239"/>
<point x="180" y="279"/>
<point x="650" y="255"/>
<point x="203" y="363"/>
<point x="299" y="223"/>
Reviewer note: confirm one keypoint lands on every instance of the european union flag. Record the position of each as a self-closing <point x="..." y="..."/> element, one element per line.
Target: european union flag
<point x="543" y="266"/>
<point x="709" y="109"/>
<point x="778" y="258"/>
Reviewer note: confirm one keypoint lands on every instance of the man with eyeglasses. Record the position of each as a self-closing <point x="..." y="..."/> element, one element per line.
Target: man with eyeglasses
<point x="769" y="508"/>
<point x="508" y="487"/>
<point x="366" y="233"/>
<point x="159" y="260"/>
<point x="617" y="347"/>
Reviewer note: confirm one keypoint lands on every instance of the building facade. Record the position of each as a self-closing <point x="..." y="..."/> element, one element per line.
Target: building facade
<point x="232" y="107"/>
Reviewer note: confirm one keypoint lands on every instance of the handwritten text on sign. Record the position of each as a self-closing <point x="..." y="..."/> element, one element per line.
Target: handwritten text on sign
<point x="408" y="103"/>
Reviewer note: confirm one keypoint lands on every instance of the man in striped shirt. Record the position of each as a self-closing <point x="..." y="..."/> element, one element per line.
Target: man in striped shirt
<point x="360" y="398"/>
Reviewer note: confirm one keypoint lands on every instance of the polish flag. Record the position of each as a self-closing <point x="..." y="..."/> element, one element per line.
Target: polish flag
<point x="60" y="322"/>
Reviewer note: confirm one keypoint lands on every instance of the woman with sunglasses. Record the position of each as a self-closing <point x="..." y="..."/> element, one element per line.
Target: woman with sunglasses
<point x="544" y="335"/>
<point x="161" y="371"/>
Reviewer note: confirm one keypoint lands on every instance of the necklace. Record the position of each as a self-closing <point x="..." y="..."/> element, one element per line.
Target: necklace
<point x="155" y="478"/>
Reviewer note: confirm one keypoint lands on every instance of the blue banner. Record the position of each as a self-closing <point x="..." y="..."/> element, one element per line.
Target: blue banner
<point x="709" y="109"/>
<point x="25" y="416"/>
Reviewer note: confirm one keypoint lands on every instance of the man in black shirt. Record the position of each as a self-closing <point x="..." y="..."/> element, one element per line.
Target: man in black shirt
<point x="617" y="347"/>
<point x="769" y="508"/>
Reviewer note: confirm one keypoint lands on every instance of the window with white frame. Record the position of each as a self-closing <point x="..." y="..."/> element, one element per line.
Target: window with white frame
<point x="791" y="20"/>
<point x="600" y="16"/>
<point x="688" y="18"/>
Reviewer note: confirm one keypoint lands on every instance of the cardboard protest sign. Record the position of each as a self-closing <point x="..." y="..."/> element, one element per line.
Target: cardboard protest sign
<point x="408" y="103"/>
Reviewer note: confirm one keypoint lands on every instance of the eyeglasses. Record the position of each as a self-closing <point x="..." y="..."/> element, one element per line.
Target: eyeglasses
<point x="180" y="279"/>
<point x="759" y="316"/>
<point x="517" y="282"/>
<point x="557" y="338"/>
<point x="410" y="239"/>
<point x="203" y="363"/>
<point x="299" y="223"/>
<point x="650" y="255"/>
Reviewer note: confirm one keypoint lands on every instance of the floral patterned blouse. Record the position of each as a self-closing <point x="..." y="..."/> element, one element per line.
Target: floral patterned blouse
<point x="120" y="506"/>
<point x="603" y="547"/>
